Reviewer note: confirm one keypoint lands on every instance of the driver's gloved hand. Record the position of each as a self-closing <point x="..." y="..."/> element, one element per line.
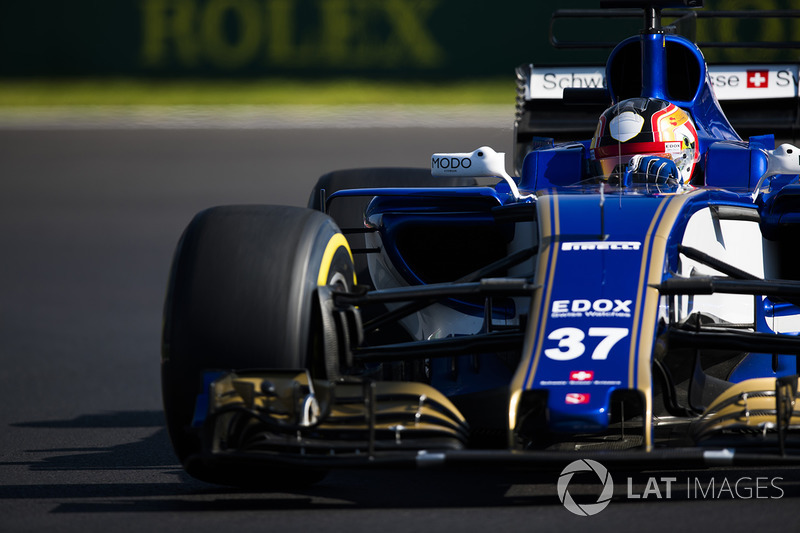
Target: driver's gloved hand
<point x="653" y="169"/>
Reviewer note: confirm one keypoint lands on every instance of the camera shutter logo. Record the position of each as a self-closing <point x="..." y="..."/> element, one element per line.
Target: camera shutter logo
<point x="585" y="509"/>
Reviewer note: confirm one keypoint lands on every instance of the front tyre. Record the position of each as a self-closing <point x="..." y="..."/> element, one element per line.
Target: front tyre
<point x="241" y="295"/>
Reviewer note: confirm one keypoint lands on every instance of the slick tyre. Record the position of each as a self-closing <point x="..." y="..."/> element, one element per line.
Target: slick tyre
<point x="241" y="295"/>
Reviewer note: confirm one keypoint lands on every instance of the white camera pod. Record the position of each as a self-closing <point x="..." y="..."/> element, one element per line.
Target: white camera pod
<point x="481" y="163"/>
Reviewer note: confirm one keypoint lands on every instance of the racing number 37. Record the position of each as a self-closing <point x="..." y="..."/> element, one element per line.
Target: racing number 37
<point x="571" y="346"/>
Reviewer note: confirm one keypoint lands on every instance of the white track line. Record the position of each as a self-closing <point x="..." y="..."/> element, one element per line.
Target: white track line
<point x="256" y="117"/>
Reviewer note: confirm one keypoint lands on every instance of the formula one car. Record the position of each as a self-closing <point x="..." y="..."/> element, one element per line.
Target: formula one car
<point x="633" y="297"/>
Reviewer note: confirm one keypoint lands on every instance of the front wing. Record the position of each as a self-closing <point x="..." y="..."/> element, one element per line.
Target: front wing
<point x="286" y="419"/>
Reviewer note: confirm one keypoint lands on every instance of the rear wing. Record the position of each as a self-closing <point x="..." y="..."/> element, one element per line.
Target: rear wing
<point x="564" y="103"/>
<point x="731" y="82"/>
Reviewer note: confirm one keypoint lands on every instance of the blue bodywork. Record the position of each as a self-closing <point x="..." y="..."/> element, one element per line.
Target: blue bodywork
<point x="594" y="327"/>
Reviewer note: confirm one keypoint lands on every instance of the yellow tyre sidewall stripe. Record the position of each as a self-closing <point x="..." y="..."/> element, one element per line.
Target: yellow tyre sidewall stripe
<point x="336" y="241"/>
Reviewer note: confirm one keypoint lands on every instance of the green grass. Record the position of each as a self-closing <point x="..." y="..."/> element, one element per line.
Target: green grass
<point x="133" y="92"/>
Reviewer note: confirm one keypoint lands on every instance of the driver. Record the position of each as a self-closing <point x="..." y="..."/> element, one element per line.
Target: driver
<point x="653" y="130"/>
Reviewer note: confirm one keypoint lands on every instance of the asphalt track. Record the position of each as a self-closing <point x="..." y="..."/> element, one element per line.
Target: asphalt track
<point x="88" y="222"/>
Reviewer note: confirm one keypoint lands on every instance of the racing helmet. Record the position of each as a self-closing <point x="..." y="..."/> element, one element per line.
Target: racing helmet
<point x="647" y="127"/>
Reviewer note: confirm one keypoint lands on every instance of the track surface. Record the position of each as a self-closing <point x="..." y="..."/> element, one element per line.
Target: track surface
<point x="88" y="223"/>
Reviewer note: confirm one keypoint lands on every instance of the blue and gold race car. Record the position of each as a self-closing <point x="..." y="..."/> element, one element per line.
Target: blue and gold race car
<point x="633" y="297"/>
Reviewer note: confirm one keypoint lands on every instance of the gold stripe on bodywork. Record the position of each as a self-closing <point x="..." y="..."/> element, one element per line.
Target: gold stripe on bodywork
<point x="549" y="226"/>
<point x="647" y="303"/>
<point x="641" y="291"/>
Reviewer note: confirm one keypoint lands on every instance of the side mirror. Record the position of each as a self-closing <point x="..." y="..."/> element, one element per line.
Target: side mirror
<point x="481" y="163"/>
<point x="785" y="159"/>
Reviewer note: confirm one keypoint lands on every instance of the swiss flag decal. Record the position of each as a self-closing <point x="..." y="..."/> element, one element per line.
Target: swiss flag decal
<point x="757" y="79"/>
<point x="581" y="375"/>
<point x="576" y="398"/>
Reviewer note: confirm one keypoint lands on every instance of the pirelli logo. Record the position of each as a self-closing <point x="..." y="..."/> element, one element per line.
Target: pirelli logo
<point x="599" y="245"/>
